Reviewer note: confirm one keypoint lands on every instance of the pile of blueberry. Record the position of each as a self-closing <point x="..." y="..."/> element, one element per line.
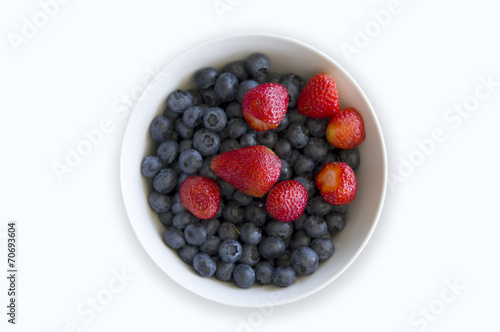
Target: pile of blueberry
<point x="242" y="243"/>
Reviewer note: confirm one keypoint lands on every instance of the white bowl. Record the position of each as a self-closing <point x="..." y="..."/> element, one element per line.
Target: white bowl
<point x="287" y="56"/>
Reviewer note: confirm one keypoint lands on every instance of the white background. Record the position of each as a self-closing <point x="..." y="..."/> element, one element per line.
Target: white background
<point x="439" y="226"/>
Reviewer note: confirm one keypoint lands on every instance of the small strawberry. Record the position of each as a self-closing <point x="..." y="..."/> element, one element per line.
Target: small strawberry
<point x="337" y="183"/>
<point x="200" y="196"/>
<point x="265" y="105"/>
<point x="287" y="200"/>
<point x="346" y="129"/>
<point x="253" y="170"/>
<point x="319" y="98"/>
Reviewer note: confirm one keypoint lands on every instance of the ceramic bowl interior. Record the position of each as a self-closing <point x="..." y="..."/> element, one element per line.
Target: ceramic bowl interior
<point x="287" y="56"/>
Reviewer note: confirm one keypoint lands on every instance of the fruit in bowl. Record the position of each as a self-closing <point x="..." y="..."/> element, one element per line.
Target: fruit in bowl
<point x="298" y="140"/>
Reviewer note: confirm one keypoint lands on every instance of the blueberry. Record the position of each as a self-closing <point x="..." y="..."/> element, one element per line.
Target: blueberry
<point x="286" y="171"/>
<point x="294" y="116"/>
<point x="209" y="97"/>
<point x="250" y="234"/>
<point x="293" y="92"/>
<point x="187" y="253"/>
<point x="249" y="255"/>
<point x="273" y="77"/>
<point x="197" y="98"/>
<point x="227" y="231"/>
<point x="304" y="261"/>
<point x="195" y="234"/>
<point x="238" y="69"/>
<point x="236" y="128"/>
<point x="206" y="142"/>
<point x="283" y="125"/>
<point x="315" y="226"/>
<point x="165" y="181"/>
<point x="204" y="264"/>
<point x="303" y="165"/>
<point x="267" y="138"/>
<point x="215" y="119"/>
<point x="177" y="206"/>
<point x="185" y="144"/>
<point x="173" y="238"/>
<point x="308" y="182"/>
<point x="205" y="78"/>
<point x="317" y="206"/>
<point x="340" y="208"/>
<point x="283" y="276"/>
<point x="151" y="165"/>
<point x="211" y="225"/>
<point x="192" y="116"/>
<point x="183" y="176"/>
<point x="228" y="145"/>
<point x="248" y="139"/>
<point x="190" y="161"/>
<point x="226" y="87"/>
<point x="224" y="270"/>
<point x="295" y="155"/>
<point x="317" y="127"/>
<point x="182" y="129"/>
<point x="272" y="247"/>
<point x="258" y="65"/>
<point x="206" y="170"/>
<point x="160" y="128"/>
<point x="277" y="228"/>
<point x="171" y="115"/>
<point x="158" y="202"/>
<point x="351" y="157"/>
<point x="283" y="148"/>
<point x="263" y="273"/>
<point x="241" y="198"/>
<point x="299" y="239"/>
<point x="167" y="151"/>
<point x="244" y="275"/>
<point x="335" y="222"/>
<point x="233" y="110"/>
<point x="226" y="189"/>
<point x="230" y="250"/>
<point x="243" y="88"/>
<point x="316" y="148"/>
<point x="285" y="259"/>
<point x="179" y="100"/>
<point x="255" y="213"/>
<point x="233" y="213"/>
<point x="298" y="224"/>
<point x="211" y="245"/>
<point x="323" y="247"/>
<point x="297" y="80"/>
<point x="182" y="219"/>
<point x="298" y="135"/>
<point x="166" y="218"/>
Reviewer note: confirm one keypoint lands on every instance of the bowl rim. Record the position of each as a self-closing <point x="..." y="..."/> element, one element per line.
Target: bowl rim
<point x="381" y="194"/>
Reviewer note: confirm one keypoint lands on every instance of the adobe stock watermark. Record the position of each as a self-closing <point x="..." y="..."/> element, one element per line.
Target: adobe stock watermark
<point x="92" y="138"/>
<point x="363" y="36"/>
<point x="30" y="26"/>
<point x="256" y="318"/>
<point x="428" y="313"/>
<point x="222" y="7"/>
<point x="97" y="302"/>
<point x="453" y="117"/>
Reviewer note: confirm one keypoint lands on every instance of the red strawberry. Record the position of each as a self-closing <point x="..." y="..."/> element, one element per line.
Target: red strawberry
<point x="346" y="129"/>
<point x="337" y="183"/>
<point x="287" y="201"/>
<point x="252" y="170"/>
<point x="265" y="106"/>
<point x="319" y="98"/>
<point x="201" y="196"/>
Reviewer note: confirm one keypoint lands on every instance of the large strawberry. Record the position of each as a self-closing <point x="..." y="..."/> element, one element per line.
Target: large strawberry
<point x="337" y="183"/>
<point x="287" y="200"/>
<point x="200" y="196"/>
<point x="253" y="170"/>
<point x="346" y="129"/>
<point x="265" y="105"/>
<point x="319" y="97"/>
